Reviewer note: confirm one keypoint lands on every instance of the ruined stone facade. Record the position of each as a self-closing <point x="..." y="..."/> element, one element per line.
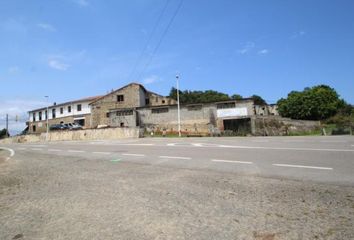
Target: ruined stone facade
<point x="126" y="98"/>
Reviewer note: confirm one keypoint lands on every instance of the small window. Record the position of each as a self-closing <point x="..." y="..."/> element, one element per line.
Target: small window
<point x="159" y="110"/>
<point x="53" y="113"/>
<point x="46" y="114"/>
<point x="163" y="101"/>
<point x="107" y="114"/>
<point x="147" y="101"/>
<point x="225" y="105"/>
<point x="124" y="113"/>
<point x="61" y="110"/>
<point x="122" y="124"/>
<point x="120" y="98"/>
<point x="69" y="109"/>
<point x="34" y="117"/>
<point x="34" y="128"/>
<point x="40" y="116"/>
<point x="79" y="107"/>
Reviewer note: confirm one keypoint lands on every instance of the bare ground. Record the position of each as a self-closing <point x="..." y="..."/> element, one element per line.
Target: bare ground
<point x="42" y="197"/>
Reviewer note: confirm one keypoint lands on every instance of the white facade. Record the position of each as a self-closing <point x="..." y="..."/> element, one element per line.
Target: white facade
<point x="61" y="110"/>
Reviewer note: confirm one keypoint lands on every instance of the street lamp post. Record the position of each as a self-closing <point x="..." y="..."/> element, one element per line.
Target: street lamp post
<point x="178" y="108"/>
<point x="47" y="117"/>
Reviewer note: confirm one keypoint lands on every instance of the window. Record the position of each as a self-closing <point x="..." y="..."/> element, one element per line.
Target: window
<point x="124" y="113"/>
<point x="69" y="109"/>
<point x="159" y="110"/>
<point x="157" y="99"/>
<point x="194" y="107"/>
<point x="163" y="101"/>
<point x="34" y="128"/>
<point x="53" y="113"/>
<point x="147" y="101"/>
<point x="120" y="98"/>
<point x="226" y="105"/>
<point x="61" y="110"/>
<point x="79" y="107"/>
<point x="46" y="114"/>
<point x="40" y="116"/>
<point x="34" y="117"/>
<point x="107" y="115"/>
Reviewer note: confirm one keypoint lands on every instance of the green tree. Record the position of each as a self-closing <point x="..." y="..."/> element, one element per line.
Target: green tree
<point x="190" y="97"/>
<point x="4" y="133"/>
<point x="236" y="97"/>
<point x="258" y="100"/>
<point x="315" y="103"/>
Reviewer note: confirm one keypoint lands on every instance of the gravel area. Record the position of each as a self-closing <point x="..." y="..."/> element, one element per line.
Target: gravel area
<point x="61" y="197"/>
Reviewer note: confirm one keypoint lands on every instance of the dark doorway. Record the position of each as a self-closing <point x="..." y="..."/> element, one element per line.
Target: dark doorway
<point x="81" y="122"/>
<point x="238" y="126"/>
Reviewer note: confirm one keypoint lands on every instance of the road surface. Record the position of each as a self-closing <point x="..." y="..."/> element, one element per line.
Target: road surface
<point x="171" y="188"/>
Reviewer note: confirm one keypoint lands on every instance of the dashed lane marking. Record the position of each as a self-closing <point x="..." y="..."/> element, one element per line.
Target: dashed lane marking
<point x="36" y="149"/>
<point x="105" y="153"/>
<point x="55" y="150"/>
<point x="76" y="151"/>
<point x="173" y="157"/>
<point x="197" y="144"/>
<point x="21" y="148"/>
<point x="294" y="149"/>
<point x="133" y="154"/>
<point x="231" y="161"/>
<point x="301" y="166"/>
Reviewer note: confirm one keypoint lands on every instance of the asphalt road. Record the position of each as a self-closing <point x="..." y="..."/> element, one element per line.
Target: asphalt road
<point x="168" y="188"/>
<point x="319" y="159"/>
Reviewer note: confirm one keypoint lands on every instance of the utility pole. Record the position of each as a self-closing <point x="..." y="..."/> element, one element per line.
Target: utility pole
<point x="47" y="117"/>
<point x="178" y="108"/>
<point x="7" y="125"/>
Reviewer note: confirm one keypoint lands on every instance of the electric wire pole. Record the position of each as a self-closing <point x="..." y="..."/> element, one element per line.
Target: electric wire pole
<point x="178" y="108"/>
<point x="7" y="125"/>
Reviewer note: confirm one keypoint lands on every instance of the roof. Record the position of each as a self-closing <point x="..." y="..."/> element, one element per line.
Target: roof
<point x="86" y="99"/>
<point x="133" y="83"/>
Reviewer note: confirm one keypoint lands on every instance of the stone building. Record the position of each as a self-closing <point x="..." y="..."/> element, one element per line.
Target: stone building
<point x="134" y="106"/>
<point x="124" y="100"/>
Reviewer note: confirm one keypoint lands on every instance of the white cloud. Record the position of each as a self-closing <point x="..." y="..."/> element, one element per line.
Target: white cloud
<point x="247" y="48"/>
<point x="13" y="70"/>
<point x="151" y="79"/>
<point x="46" y="26"/>
<point x="19" y="108"/>
<point x="297" y="34"/>
<point x="263" y="51"/>
<point x="55" y="64"/>
<point x="82" y="3"/>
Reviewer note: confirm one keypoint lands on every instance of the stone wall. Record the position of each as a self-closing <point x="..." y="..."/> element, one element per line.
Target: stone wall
<point x="88" y="134"/>
<point x="278" y="126"/>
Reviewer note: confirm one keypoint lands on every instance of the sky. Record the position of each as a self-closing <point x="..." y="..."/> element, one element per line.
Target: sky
<point x="70" y="49"/>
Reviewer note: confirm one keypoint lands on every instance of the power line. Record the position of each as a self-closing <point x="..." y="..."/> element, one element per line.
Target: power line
<point x="161" y="38"/>
<point x="149" y="39"/>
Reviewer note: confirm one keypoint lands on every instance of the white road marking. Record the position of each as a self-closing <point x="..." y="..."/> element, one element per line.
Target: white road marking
<point x="231" y="161"/>
<point x="55" y="150"/>
<point x="133" y="154"/>
<point x="197" y="144"/>
<point x="172" y="157"/>
<point x="36" y="149"/>
<point x="294" y="149"/>
<point x="40" y="146"/>
<point x="171" y="144"/>
<point x="76" y="151"/>
<point x="12" y="152"/>
<point x="21" y="148"/>
<point x="301" y="166"/>
<point x="106" y="153"/>
<point x="260" y="141"/>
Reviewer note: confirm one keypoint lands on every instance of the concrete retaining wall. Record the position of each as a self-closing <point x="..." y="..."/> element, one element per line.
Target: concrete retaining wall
<point x="88" y="134"/>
